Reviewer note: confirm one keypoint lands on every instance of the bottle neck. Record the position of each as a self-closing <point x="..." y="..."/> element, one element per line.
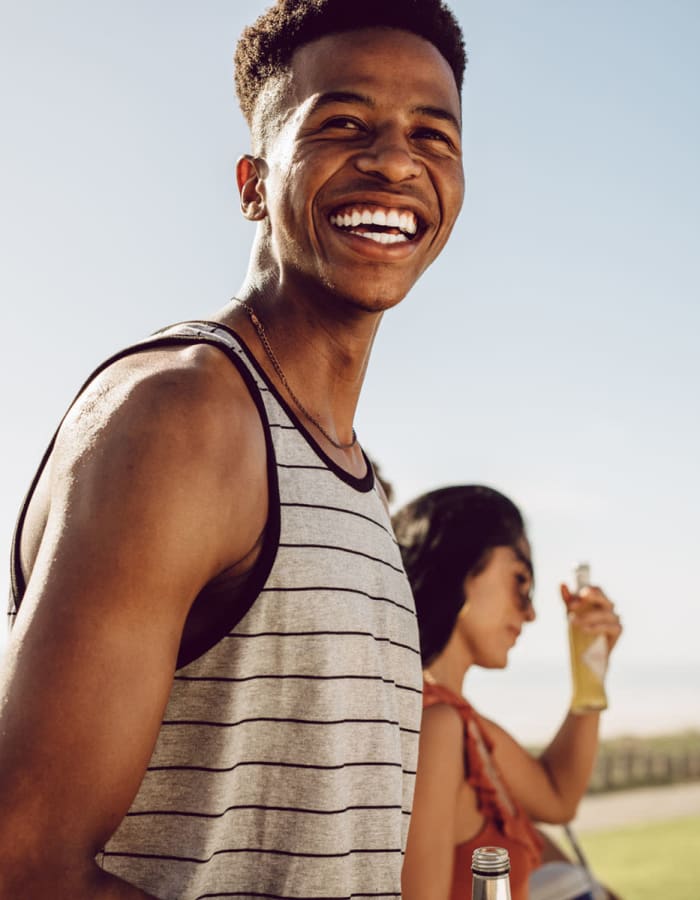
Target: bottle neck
<point x="490" y="887"/>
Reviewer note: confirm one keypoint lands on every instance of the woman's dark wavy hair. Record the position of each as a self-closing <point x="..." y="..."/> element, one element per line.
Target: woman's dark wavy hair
<point x="265" y="48"/>
<point x="444" y="536"/>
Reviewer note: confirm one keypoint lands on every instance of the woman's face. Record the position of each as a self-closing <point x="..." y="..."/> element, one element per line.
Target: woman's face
<point x="497" y="605"/>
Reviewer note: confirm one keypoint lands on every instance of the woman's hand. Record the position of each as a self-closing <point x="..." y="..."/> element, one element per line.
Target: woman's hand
<point x="593" y="612"/>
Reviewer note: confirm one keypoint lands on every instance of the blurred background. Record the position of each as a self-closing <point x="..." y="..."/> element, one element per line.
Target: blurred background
<point x="551" y="352"/>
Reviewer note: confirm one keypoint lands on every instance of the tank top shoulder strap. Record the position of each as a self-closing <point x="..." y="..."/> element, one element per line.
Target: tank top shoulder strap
<point x="181" y="333"/>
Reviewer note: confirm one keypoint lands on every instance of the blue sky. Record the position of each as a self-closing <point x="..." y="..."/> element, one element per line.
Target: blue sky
<point x="551" y="351"/>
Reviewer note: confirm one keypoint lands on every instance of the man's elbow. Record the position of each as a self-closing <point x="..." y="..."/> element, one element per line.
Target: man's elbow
<point x="39" y="874"/>
<point x="20" y="877"/>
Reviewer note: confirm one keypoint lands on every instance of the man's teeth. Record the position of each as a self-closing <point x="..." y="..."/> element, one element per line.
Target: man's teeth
<point x="386" y="218"/>
<point x="381" y="237"/>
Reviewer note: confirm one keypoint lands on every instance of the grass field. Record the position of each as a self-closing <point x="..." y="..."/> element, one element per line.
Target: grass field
<point x="648" y="862"/>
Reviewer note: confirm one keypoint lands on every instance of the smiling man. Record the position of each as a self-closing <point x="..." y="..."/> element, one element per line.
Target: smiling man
<point x="213" y="683"/>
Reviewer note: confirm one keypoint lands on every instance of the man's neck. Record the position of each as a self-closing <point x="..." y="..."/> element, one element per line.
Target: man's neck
<point x="320" y="342"/>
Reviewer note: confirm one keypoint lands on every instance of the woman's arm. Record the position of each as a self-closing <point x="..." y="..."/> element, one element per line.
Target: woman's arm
<point x="550" y="787"/>
<point x="427" y="870"/>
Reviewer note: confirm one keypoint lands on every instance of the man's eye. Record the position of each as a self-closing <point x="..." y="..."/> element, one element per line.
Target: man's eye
<point x="343" y="123"/>
<point x="431" y="134"/>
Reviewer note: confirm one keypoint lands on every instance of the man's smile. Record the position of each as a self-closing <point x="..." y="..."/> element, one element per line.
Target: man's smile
<point x="382" y="224"/>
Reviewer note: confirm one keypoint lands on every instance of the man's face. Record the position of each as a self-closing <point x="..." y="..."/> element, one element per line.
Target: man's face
<point x="365" y="175"/>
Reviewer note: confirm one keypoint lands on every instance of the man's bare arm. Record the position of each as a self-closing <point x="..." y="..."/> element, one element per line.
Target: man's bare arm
<point x="156" y="486"/>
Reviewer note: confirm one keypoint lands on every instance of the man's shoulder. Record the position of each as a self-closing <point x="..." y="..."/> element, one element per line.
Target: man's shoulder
<point x="187" y="398"/>
<point x="169" y="434"/>
<point x="197" y="370"/>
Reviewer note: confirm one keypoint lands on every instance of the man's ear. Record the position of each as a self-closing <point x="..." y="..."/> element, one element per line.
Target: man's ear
<point x="251" y="172"/>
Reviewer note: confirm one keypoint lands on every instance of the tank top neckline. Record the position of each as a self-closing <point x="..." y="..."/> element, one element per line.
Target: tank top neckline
<point x="363" y="484"/>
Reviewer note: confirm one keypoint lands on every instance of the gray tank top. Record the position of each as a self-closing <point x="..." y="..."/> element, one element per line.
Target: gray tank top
<point x="286" y="759"/>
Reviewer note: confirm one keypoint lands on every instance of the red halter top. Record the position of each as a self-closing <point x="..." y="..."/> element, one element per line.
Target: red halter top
<point x="505" y="823"/>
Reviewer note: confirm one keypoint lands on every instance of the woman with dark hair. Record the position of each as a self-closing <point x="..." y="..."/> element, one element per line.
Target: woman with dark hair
<point x="467" y="556"/>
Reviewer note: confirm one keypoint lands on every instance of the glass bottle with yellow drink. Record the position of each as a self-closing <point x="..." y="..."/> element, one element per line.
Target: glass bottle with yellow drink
<point x="589" y="658"/>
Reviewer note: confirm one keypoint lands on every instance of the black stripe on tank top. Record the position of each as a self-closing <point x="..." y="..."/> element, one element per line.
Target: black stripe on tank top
<point x="259" y="806"/>
<point x="337" y="590"/>
<point x="348" y="512"/>
<point x="203" y="723"/>
<point x="292" y="634"/>
<point x="293" y="721"/>
<point x="299" y="677"/>
<point x="281" y="765"/>
<point x="257" y="894"/>
<point x="262" y="850"/>
<point x="376" y="559"/>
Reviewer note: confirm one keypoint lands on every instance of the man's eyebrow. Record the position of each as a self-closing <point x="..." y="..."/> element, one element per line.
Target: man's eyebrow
<point x="341" y="97"/>
<point x="437" y="112"/>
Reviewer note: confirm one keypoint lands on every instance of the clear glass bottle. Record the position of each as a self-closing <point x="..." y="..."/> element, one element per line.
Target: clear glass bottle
<point x="589" y="658"/>
<point x="490" y="874"/>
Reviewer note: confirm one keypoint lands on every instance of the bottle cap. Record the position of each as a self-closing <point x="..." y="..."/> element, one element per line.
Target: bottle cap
<point x="490" y="861"/>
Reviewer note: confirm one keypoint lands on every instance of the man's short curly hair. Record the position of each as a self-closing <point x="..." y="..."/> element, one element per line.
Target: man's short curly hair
<point x="265" y="48"/>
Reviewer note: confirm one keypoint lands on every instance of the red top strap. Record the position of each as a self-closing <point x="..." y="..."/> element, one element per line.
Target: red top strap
<point x="506" y="824"/>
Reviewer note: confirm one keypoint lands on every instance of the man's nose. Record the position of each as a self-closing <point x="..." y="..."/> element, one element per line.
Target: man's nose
<point x="389" y="157"/>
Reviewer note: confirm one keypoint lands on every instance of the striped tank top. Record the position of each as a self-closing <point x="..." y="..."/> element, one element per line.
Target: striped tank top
<point x="285" y="763"/>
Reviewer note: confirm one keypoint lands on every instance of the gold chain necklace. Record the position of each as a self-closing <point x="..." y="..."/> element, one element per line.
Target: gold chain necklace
<point x="258" y="325"/>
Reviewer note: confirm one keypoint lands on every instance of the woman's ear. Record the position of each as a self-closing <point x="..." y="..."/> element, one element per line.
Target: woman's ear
<point x="251" y="172"/>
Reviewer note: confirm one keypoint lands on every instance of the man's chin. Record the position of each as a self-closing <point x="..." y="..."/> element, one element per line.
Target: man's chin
<point x="362" y="288"/>
<point x="370" y="294"/>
